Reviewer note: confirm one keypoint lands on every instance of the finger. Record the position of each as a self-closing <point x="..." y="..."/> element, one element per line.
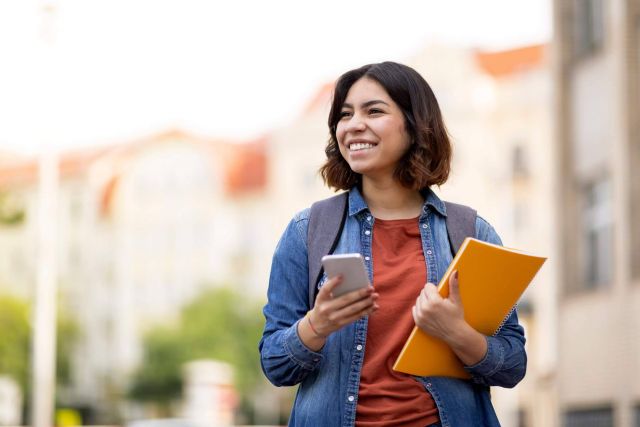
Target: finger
<point x="353" y="308"/>
<point x="422" y="302"/>
<point x="351" y="297"/>
<point x="329" y="286"/>
<point x="431" y="292"/>
<point x="356" y="316"/>
<point x="454" y="289"/>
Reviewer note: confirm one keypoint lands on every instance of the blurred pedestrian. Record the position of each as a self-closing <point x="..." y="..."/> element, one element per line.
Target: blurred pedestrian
<point x="388" y="146"/>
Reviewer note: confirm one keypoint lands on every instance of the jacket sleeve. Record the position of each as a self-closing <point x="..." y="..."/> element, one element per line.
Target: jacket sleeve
<point x="284" y="358"/>
<point x="505" y="362"/>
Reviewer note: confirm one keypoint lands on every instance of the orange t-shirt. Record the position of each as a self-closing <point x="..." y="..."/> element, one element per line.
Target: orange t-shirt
<point x="387" y="397"/>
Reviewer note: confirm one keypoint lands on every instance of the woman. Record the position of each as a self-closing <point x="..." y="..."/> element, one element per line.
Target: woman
<point x="388" y="146"/>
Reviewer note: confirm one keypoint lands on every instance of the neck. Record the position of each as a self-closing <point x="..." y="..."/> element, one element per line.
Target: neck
<point x="388" y="199"/>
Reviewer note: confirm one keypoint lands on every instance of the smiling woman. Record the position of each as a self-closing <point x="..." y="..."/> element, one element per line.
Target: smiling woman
<point x="388" y="145"/>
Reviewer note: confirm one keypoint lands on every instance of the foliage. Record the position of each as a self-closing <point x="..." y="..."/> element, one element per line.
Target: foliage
<point x="67" y="333"/>
<point x="15" y="343"/>
<point x="11" y="210"/>
<point x="15" y="336"/>
<point x="158" y="378"/>
<point x="219" y="324"/>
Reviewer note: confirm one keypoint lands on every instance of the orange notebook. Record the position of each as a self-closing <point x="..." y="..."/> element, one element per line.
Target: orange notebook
<point x="491" y="279"/>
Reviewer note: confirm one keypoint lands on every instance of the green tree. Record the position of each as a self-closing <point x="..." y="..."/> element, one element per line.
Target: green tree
<point x="219" y="324"/>
<point x="12" y="211"/>
<point x="15" y="336"/>
<point x="158" y="379"/>
<point x="15" y="343"/>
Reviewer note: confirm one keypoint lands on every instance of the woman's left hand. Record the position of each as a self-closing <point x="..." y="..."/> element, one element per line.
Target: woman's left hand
<point x="437" y="316"/>
<point x="444" y="318"/>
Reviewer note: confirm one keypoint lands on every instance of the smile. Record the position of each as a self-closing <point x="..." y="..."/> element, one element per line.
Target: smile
<point x="360" y="146"/>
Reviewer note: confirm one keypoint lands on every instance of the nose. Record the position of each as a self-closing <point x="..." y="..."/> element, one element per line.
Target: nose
<point x="355" y="124"/>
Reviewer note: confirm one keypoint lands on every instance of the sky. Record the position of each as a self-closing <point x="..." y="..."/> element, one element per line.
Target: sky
<point x="88" y="72"/>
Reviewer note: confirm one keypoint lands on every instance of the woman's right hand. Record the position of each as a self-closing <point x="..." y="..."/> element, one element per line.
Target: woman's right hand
<point x="332" y="313"/>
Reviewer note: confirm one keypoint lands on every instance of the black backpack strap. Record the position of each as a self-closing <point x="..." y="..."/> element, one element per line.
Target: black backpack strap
<point x="461" y="223"/>
<point x="325" y="228"/>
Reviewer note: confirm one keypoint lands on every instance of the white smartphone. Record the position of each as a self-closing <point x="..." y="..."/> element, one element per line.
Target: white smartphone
<point x="351" y="267"/>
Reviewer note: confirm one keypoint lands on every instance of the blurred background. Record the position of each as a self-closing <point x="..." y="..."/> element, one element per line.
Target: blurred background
<point x="152" y="152"/>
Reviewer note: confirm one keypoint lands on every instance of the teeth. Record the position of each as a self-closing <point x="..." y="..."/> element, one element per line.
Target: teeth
<point x="360" y="146"/>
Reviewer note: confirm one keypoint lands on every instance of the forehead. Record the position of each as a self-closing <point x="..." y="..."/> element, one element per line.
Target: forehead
<point x="364" y="90"/>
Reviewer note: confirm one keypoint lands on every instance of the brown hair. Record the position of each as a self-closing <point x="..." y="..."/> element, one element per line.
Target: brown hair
<point x="428" y="160"/>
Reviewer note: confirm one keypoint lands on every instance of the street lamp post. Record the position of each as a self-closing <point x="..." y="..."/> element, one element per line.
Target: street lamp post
<point x="44" y="321"/>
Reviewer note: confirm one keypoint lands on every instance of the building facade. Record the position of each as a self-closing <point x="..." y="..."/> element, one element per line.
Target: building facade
<point x="143" y="227"/>
<point x="597" y="125"/>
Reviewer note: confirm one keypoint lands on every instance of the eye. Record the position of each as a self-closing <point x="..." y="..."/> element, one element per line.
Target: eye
<point x="375" y="111"/>
<point x="344" y="114"/>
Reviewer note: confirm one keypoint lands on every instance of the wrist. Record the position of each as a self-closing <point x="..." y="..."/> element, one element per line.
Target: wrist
<point x="460" y="334"/>
<point x="313" y="326"/>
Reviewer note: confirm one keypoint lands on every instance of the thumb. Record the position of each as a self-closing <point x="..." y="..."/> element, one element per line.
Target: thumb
<point x="330" y="285"/>
<point x="454" y="289"/>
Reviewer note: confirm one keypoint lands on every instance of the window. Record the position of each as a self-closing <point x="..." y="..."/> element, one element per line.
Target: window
<point x="523" y="419"/>
<point x="634" y="151"/>
<point x="600" y="417"/>
<point x="597" y="231"/>
<point x="519" y="162"/>
<point x="588" y="27"/>
<point x="634" y="197"/>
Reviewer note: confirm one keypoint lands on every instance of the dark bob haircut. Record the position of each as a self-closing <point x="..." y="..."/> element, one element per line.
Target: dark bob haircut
<point x="428" y="160"/>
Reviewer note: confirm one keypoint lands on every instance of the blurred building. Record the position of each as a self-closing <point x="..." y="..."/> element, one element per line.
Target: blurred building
<point x="597" y="123"/>
<point x="143" y="227"/>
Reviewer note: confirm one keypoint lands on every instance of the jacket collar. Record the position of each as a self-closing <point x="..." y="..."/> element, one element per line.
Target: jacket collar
<point x="357" y="203"/>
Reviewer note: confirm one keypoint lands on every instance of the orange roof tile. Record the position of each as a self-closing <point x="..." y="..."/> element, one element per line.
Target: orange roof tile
<point x="245" y="164"/>
<point x="507" y="62"/>
<point x="247" y="171"/>
<point x="321" y="98"/>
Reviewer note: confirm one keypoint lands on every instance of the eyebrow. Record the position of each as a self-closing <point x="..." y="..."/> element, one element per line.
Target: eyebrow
<point x="366" y="104"/>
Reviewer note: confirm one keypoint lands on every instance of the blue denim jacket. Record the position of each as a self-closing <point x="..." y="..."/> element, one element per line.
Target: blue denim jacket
<point x="329" y="379"/>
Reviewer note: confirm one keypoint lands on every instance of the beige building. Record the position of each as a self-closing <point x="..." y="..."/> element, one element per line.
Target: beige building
<point x="597" y="124"/>
<point x="143" y="226"/>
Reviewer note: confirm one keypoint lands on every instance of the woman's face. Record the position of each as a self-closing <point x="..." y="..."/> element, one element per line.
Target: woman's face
<point x="371" y="131"/>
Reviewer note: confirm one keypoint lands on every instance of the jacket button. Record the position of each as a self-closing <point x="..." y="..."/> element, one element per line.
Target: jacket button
<point x="367" y="232"/>
<point x="424" y="225"/>
<point x="359" y="347"/>
<point x="351" y="398"/>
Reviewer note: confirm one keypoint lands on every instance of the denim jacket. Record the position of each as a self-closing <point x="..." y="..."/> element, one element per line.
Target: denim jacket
<point x="329" y="379"/>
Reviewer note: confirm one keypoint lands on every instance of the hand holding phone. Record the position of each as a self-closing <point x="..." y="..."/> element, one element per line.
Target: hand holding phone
<point x="351" y="267"/>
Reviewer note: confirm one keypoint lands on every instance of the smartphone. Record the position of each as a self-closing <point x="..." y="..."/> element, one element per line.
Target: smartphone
<point x="351" y="267"/>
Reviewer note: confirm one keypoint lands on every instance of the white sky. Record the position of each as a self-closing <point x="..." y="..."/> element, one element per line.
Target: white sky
<point x="106" y="70"/>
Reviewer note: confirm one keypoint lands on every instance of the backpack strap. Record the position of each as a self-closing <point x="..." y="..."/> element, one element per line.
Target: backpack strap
<point x="325" y="228"/>
<point x="461" y="223"/>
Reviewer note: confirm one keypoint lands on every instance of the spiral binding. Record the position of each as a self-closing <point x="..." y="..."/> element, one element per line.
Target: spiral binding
<point x="505" y="319"/>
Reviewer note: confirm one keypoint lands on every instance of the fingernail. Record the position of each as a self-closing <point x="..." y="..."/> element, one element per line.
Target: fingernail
<point x="455" y="274"/>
